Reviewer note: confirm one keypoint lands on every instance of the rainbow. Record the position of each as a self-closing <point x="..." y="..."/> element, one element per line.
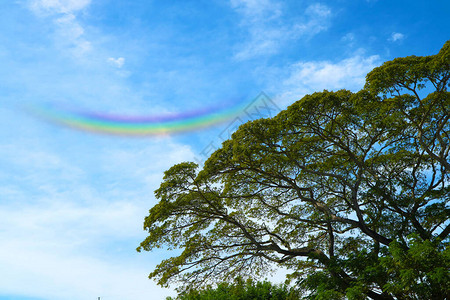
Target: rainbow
<point x="143" y="125"/>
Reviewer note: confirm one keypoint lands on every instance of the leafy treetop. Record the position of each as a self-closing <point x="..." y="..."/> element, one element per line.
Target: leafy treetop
<point x="349" y="191"/>
<point x="241" y="290"/>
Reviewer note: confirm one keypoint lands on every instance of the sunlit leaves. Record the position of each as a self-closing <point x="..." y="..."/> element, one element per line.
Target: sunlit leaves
<point x="349" y="191"/>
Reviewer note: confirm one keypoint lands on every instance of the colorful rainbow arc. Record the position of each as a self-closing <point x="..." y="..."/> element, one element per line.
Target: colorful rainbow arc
<point x="150" y="125"/>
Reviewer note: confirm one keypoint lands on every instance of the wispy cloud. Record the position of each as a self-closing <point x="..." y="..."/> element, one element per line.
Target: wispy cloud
<point x="317" y="19"/>
<point x="255" y="10"/>
<point x="63" y="13"/>
<point x="349" y="37"/>
<point x="76" y="238"/>
<point x="396" y="36"/>
<point x="268" y="29"/>
<point x="308" y="77"/>
<point x="118" y="62"/>
<point x="47" y="257"/>
<point x="58" y="6"/>
<point x="71" y="34"/>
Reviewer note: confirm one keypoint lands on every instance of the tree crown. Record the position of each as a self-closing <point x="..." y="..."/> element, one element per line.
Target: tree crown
<point x="347" y="190"/>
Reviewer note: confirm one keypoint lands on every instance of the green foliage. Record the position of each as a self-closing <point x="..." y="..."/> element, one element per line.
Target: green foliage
<point x="421" y="271"/>
<point x="241" y="290"/>
<point x="348" y="191"/>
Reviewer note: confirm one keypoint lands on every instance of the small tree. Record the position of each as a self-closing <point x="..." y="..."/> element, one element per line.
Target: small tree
<point x="349" y="191"/>
<point x="241" y="290"/>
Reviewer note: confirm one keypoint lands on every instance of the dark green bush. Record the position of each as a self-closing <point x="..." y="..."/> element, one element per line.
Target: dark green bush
<point x="241" y="290"/>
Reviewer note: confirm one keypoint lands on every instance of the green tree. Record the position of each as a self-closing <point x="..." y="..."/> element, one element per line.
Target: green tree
<point x="348" y="191"/>
<point x="241" y="290"/>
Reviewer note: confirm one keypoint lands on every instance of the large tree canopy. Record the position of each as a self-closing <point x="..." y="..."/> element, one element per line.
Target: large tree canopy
<point x="348" y="191"/>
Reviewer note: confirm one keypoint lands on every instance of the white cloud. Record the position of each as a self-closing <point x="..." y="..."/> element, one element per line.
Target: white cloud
<point x="66" y="251"/>
<point x="63" y="275"/>
<point x="268" y="30"/>
<point x="58" y="6"/>
<point x="256" y="16"/>
<point x="315" y="76"/>
<point x="349" y="37"/>
<point x="318" y="10"/>
<point x="118" y="62"/>
<point x="317" y="20"/>
<point x="76" y="238"/>
<point x="396" y="36"/>
<point x="263" y="42"/>
<point x="71" y="34"/>
<point x="254" y="10"/>
<point x="69" y="31"/>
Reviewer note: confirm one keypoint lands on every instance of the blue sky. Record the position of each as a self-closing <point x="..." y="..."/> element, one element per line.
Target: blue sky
<point x="72" y="203"/>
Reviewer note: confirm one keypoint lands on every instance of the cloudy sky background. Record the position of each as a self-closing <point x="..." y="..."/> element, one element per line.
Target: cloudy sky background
<point x="72" y="203"/>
